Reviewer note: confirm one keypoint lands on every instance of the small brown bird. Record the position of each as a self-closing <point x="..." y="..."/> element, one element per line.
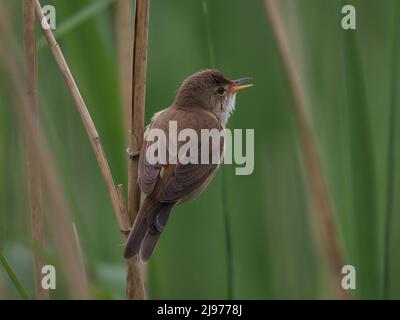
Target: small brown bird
<point x="204" y="101"/>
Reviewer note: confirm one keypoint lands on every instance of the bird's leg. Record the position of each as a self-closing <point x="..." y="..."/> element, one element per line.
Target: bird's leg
<point x="132" y="155"/>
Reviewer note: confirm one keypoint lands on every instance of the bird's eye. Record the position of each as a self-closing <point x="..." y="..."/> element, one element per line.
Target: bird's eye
<point x="221" y="91"/>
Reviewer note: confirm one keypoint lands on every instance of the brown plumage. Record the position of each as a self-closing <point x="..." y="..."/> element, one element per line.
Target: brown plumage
<point x="204" y="101"/>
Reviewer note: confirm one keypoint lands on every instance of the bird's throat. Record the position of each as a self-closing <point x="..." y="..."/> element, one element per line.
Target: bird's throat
<point x="228" y="109"/>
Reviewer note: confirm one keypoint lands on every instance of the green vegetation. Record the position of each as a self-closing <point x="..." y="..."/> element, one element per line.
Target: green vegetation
<point x="351" y="80"/>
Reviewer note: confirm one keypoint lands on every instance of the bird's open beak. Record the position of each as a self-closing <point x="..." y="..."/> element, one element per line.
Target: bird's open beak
<point x="238" y="84"/>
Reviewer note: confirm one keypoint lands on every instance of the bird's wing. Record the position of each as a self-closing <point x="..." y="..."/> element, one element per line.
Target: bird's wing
<point x="147" y="173"/>
<point x="187" y="179"/>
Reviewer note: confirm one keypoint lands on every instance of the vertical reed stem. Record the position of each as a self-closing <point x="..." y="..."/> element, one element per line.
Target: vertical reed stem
<point x="228" y="239"/>
<point x="34" y="184"/>
<point x="322" y="213"/>
<point x="224" y="196"/>
<point x="124" y="27"/>
<point x="135" y="285"/>
<point x="60" y="217"/>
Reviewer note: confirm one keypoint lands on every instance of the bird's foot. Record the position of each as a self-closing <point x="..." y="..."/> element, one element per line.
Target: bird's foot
<point x="132" y="155"/>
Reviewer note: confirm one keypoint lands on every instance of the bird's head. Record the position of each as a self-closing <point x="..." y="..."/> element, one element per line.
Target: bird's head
<point x="211" y="90"/>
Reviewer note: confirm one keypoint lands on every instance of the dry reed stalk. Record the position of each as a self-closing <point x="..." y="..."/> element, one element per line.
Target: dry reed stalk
<point x="123" y="221"/>
<point x="139" y="75"/>
<point x="322" y="213"/>
<point x="134" y="279"/>
<point x="135" y="286"/>
<point x="60" y="216"/>
<point x="124" y="27"/>
<point x="120" y="191"/>
<point x="34" y="184"/>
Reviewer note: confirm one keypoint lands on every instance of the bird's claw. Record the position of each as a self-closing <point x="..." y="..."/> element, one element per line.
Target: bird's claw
<point x="132" y="155"/>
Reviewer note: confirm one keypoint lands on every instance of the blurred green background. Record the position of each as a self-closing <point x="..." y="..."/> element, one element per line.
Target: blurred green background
<point x="350" y="88"/>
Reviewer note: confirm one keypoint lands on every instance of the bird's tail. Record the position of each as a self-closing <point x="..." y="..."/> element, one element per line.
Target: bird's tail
<point x="145" y="233"/>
